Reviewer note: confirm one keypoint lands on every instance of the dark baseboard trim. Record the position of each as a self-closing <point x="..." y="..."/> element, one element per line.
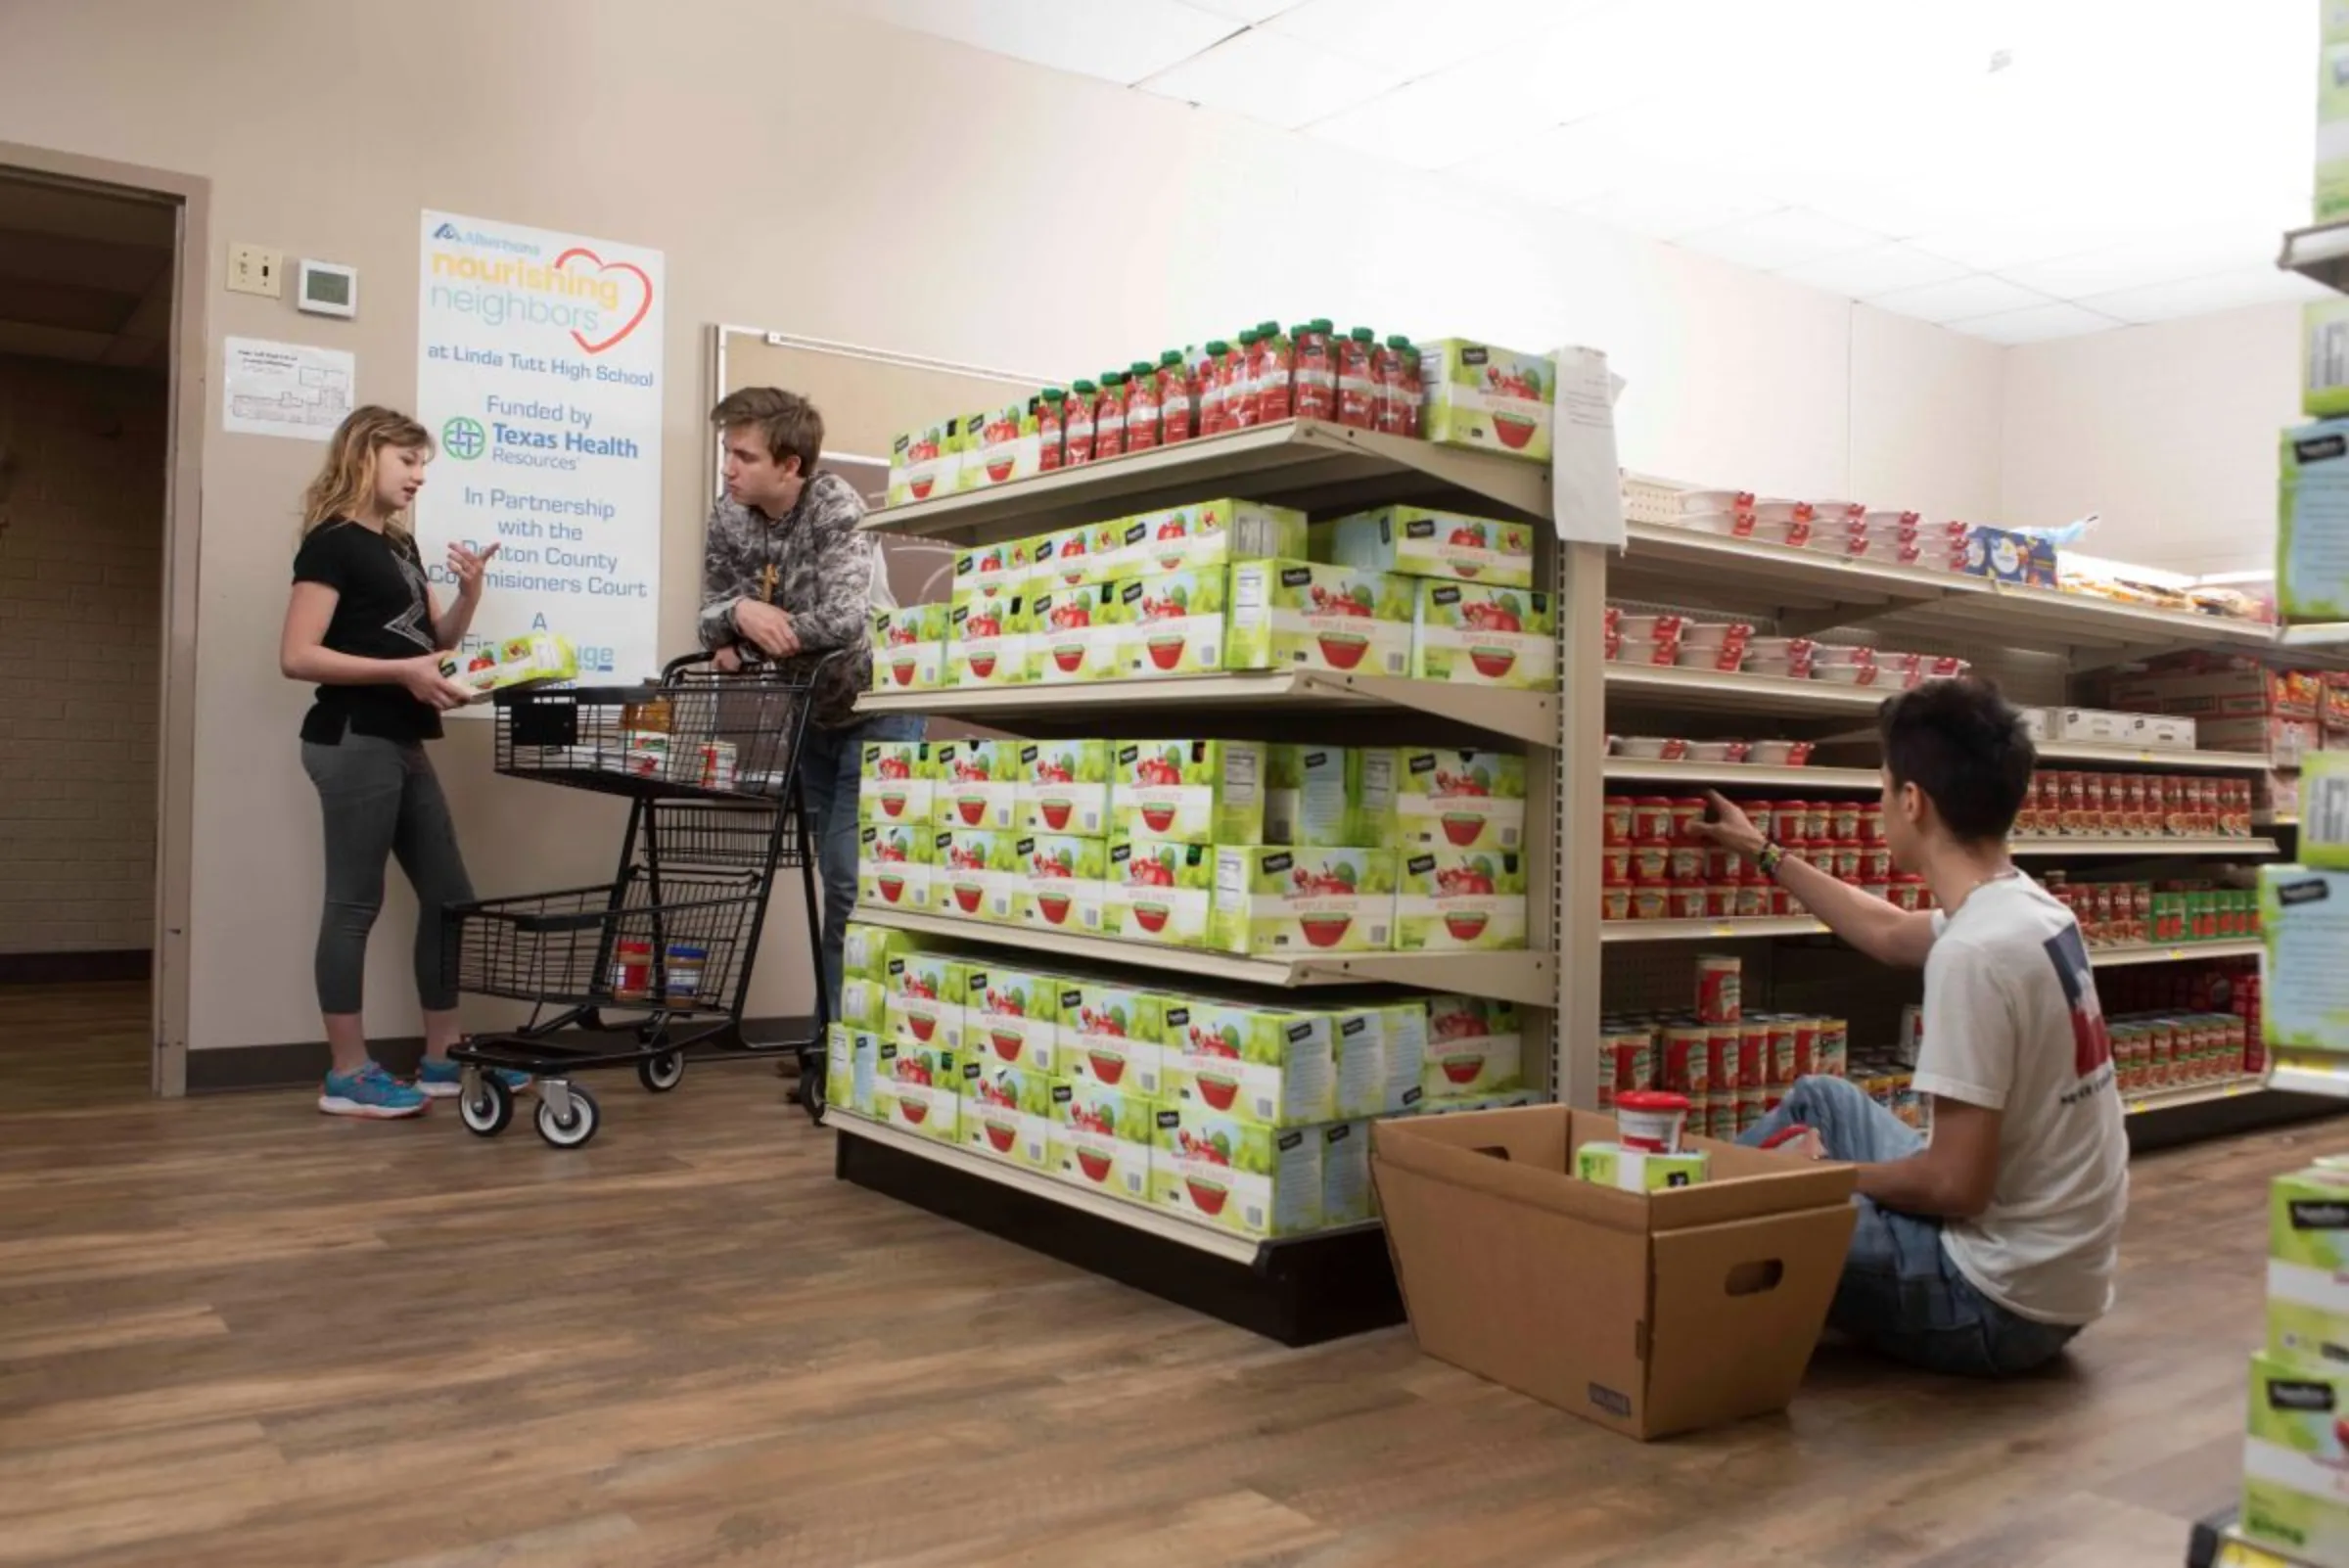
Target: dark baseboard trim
<point x="238" y="1068"/>
<point x="74" y="968"/>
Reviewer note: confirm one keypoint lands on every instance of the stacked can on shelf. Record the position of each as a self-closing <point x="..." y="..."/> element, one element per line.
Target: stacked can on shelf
<point x="1734" y="1066"/>
<point x="2136" y="913"/>
<point x="2144" y="806"/>
<point x="1656" y="867"/>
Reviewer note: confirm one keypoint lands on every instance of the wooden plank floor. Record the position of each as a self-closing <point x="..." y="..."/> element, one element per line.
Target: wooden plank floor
<point x="235" y="1334"/>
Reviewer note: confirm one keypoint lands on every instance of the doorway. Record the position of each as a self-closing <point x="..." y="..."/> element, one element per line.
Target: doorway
<point x="97" y="537"/>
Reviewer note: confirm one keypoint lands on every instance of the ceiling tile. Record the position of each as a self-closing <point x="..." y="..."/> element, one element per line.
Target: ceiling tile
<point x="1667" y="204"/>
<point x="2225" y="291"/>
<point x="1782" y="239"/>
<point x="1402" y="125"/>
<point x="1562" y="166"/>
<point x="1862" y="274"/>
<point x="1614" y="57"/>
<point x="2037" y="324"/>
<point x="2040" y="233"/>
<point x="1244" y="9"/>
<point x="1117" y="40"/>
<point x="1270" y="76"/>
<point x="1414" y="37"/>
<point x="1976" y="295"/>
<point x="2170" y="257"/>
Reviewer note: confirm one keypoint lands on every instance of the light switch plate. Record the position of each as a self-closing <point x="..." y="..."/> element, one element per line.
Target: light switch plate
<point x="257" y="269"/>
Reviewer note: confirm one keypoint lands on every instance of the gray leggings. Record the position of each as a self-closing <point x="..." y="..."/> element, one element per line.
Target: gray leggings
<point x="381" y="798"/>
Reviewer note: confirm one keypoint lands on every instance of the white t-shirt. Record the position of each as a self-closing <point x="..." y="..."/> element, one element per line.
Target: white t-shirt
<point x="2012" y="1023"/>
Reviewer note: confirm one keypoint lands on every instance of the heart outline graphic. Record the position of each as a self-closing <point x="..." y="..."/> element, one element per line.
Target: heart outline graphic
<point x="602" y="266"/>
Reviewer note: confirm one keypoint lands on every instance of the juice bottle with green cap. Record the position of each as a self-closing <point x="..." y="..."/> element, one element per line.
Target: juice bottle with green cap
<point x="1357" y="383"/>
<point x="1108" y="418"/>
<point x="1051" y="419"/>
<point x="1141" y="406"/>
<point x="1275" y="367"/>
<point x="1316" y="379"/>
<point x="1083" y="401"/>
<point x="1176" y="414"/>
<point x="1237" y="374"/>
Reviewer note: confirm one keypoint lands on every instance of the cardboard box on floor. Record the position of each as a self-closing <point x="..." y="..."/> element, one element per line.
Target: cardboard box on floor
<point x="1649" y="1314"/>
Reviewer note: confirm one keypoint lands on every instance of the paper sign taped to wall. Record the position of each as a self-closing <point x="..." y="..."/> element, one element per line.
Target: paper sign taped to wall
<point x="285" y="389"/>
<point x="1585" y="479"/>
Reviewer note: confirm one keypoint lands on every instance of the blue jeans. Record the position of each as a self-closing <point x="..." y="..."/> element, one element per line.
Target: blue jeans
<point x="829" y="762"/>
<point x="1902" y="1296"/>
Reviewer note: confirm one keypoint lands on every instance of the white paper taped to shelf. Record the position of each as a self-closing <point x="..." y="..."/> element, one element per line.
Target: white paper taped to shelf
<point x="1586" y="481"/>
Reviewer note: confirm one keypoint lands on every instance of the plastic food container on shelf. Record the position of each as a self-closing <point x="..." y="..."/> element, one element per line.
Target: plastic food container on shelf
<point x="1795" y="533"/>
<point x="1649" y="627"/>
<point x="1849" y="674"/>
<point x="1714" y="633"/>
<point x="1653" y="748"/>
<point x="1724" y="657"/>
<point x="1730" y="751"/>
<point x="1781" y="668"/>
<point x="1779" y="752"/>
<point x="1775" y="510"/>
<point x="1701" y="501"/>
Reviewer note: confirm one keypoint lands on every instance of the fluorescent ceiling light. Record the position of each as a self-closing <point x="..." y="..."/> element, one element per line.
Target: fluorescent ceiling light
<point x="1859" y="275"/>
<point x="1270" y="76"/>
<point x="2035" y="324"/>
<point x="1979" y="295"/>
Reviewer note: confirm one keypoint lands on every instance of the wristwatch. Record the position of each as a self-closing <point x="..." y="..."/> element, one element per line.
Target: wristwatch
<point x="1769" y="857"/>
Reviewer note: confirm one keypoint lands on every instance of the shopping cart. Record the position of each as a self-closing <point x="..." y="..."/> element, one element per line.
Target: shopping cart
<point x="656" y="964"/>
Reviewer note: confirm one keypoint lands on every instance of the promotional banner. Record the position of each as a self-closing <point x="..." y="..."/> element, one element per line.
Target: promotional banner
<point x="538" y="372"/>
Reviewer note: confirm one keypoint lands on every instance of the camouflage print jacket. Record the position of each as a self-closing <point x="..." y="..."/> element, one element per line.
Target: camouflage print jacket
<point x="813" y="564"/>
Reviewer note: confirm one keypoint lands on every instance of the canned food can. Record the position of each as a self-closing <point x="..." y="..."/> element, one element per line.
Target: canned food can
<point x="1719" y="988"/>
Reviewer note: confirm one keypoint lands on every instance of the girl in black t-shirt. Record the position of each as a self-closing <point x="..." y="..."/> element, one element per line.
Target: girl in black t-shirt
<point x="363" y="625"/>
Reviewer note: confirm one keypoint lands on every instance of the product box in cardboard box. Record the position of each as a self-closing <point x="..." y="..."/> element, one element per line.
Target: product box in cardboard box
<point x="909" y="648"/>
<point x="535" y="659"/>
<point x="1256" y="1180"/>
<point x="1160" y="892"/>
<point x="1275" y="1066"/>
<point x="1209" y="536"/>
<point x="991" y="572"/>
<point x="1289" y="615"/>
<point x="1460" y="900"/>
<point x="1064" y="787"/>
<point x="849" y="1057"/>
<point x="2244" y="691"/>
<point x="1071" y="558"/>
<point x="1331" y="796"/>
<point x="865" y="949"/>
<point x="2308" y="1266"/>
<point x="1487" y="398"/>
<point x="1283" y="900"/>
<point x="1174" y="622"/>
<point x="1460" y="800"/>
<point x="916" y="1088"/>
<point x="926" y="995"/>
<point x="978" y="874"/>
<point x="987" y="641"/>
<point x="1113" y="1034"/>
<point x="1483" y="636"/>
<point x="1193" y="792"/>
<point x="896" y="781"/>
<point x="1011" y="1018"/>
<point x="893" y="866"/>
<point x="2324" y="810"/>
<point x="1475" y="1046"/>
<point x="978" y="783"/>
<point x="1006" y="1112"/>
<point x="1421" y="542"/>
<point x="1646" y="1314"/>
<point x="1611" y="1164"/>
<point x="1101" y="1138"/>
<point x="2304" y="925"/>
<point x="1077" y="635"/>
<point x="1066" y="886"/>
<point x="2312" y="522"/>
<point x="2296" y="1450"/>
<point x="921" y="465"/>
<point x="1008" y="445"/>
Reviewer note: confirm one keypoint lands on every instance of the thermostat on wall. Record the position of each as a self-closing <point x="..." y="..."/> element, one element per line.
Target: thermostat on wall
<point x="328" y="288"/>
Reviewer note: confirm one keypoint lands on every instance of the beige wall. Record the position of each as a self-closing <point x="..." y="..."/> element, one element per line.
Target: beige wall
<point x="80" y="615"/>
<point x="815" y="175"/>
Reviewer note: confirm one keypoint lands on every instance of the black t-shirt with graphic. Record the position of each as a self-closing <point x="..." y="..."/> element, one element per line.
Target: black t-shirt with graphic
<point x="383" y="613"/>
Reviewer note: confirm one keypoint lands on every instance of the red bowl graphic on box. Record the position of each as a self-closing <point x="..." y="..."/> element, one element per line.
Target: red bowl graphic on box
<point x="1466" y="927"/>
<point x="1514" y="430"/>
<point x="1094" y="1166"/>
<point x="1219" y="1092"/>
<point x="998" y="1138"/>
<point x="1492" y="663"/>
<point x="1324" y="930"/>
<point x="1167" y="652"/>
<point x="1343" y="649"/>
<point x="1053" y="906"/>
<point x="1151" y="917"/>
<point x="1207" y="1195"/>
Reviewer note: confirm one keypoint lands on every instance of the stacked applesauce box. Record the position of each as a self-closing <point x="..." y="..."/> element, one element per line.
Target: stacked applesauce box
<point x="1403" y="592"/>
<point x="1452" y="392"/>
<point x="1241" y="847"/>
<point x="1244" y="1116"/>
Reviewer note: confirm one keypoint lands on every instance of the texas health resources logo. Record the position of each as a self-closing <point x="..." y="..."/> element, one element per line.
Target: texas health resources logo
<point x="464" y="439"/>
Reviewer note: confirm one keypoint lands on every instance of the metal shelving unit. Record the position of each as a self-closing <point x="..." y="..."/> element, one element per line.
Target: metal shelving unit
<point x="2051" y="847"/>
<point x="1739" y="775"/>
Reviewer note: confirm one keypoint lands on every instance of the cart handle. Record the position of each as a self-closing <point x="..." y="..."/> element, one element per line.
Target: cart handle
<point x="750" y="656"/>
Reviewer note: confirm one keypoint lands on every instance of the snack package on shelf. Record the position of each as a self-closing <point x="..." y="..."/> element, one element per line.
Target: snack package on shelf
<point x="1611" y="1164"/>
<point x="987" y="641"/>
<point x="2296" y="1445"/>
<point x="1282" y="898"/>
<point x="865" y="949"/>
<point x="1008" y="445"/>
<point x="1006" y="1112"/>
<point x="536" y="659"/>
<point x="1289" y="615"/>
<point x="1101" y="1138"/>
<point x="1418" y="541"/>
<point x="2304" y="922"/>
<point x="1487" y="398"/>
<point x="1209" y="534"/>
<point x="1160" y="890"/>
<point x="1330" y="796"/>
<point x="926" y="995"/>
<point x="897" y="782"/>
<point x="1077" y="635"/>
<point x="1011" y="1018"/>
<point x="2005" y="555"/>
<point x="1064" y="787"/>
<point x="1065" y="884"/>
<point x="991" y="573"/>
<point x="893" y="866"/>
<point x="2312" y="523"/>
<point x="1474" y="1046"/>
<point x="1173" y="622"/>
<point x="1392" y="1036"/>
<point x="909" y="648"/>
<point x="978" y="873"/>
<point x="1460" y="800"/>
<point x="1461" y="900"/>
<point x="1272" y="1066"/>
<point x="1256" y="1180"/>
<point x="1114" y="1034"/>
<point x="850" y="1056"/>
<point x="1347" y="1195"/>
<point x="1485" y="636"/>
<point x="1195" y="792"/>
<point x="916" y="1088"/>
<point x="921" y="466"/>
<point x="2308" y="1266"/>
<point x="1073" y="558"/>
<point x="978" y="784"/>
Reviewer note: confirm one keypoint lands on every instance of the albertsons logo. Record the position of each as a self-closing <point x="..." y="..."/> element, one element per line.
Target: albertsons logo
<point x="447" y="231"/>
<point x="484" y="242"/>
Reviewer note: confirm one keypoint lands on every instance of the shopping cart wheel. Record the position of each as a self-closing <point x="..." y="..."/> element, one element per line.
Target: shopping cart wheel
<point x="571" y="1126"/>
<point x="810" y="1092"/>
<point x="484" y="1103"/>
<point x="662" y="1073"/>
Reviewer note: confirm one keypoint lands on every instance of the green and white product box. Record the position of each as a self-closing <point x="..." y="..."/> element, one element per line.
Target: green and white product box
<point x="1160" y="892"/>
<point x="1331" y="796"/>
<point x="921" y="464"/>
<point x="2325" y="357"/>
<point x="1400" y="1032"/>
<point x="916" y="1088"/>
<point x="1007" y="1114"/>
<point x="1460" y="800"/>
<point x="2295" y="1451"/>
<point x="896" y="781"/>
<point x="866" y="949"/>
<point x="1487" y="398"/>
<point x="1474" y="1046"/>
<point x="926" y="993"/>
<point x="1192" y="792"/>
<point x="987" y="642"/>
<point x="1064" y="787"/>
<point x="1071" y="558"/>
<point x="1279" y="900"/>
<point x="1209" y="534"/>
<point x="1347" y="1196"/>
<point x="1460" y="900"/>
<point x="1009" y="446"/>
<point x="1011" y="1018"/>
<point x="2312" y="523"/>
<point x="2304" y="924"/>
<point x="1611" y="1164"/>
<point x="849" y="1057"/>
<point x="2324" y="810"/>
<point x="1421" y="542"/>
<point x="1357" y="1044"/>
<point x="909" y="648"/>
<point x="1478" y="637"/>
<point x="1064" y="883"/>
<point x="977" y="874"/>
<point x="892" y="866"/>
<point x="1272" y="1066"/>
<point x="2308" y="1266"/>
<point x="994" y="572"/>
<point x="1101" y="1138"/>
<point x="1256" y="1180"/>
<point x="2333" y="120"/>
<point x="1174" y="622"/>
<point x="863" y="1002"/>
<point x="1290" y="615"/>
<point x="978" y="784"/>
<point x="1077" y="635"/>
<point x="1113" y="1035"/>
